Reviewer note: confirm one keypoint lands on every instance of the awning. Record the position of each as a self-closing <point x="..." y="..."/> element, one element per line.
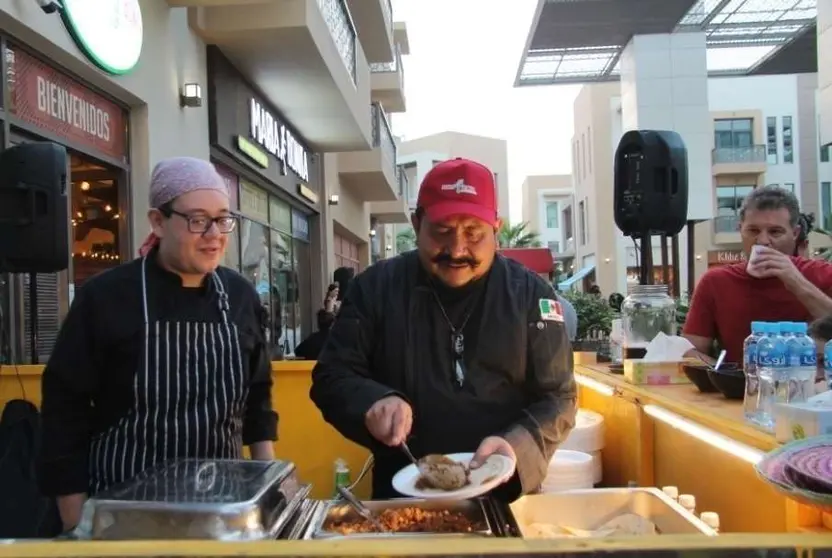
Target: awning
<point x="566" y="285"/>
<point x="538" y="260"/>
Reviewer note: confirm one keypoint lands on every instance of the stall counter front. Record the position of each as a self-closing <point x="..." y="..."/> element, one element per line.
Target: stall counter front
<point x="729" y="546"/>
<point x="304" y="438"/>
<point x="672" y="435"/>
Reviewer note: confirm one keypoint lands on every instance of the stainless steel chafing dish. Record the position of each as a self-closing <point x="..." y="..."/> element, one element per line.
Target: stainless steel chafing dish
<point x="477" y="511"/>
<point x="198" y="499"/>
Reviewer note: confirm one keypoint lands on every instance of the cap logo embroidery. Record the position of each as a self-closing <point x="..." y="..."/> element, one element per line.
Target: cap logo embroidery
<point x="460" y="188"/>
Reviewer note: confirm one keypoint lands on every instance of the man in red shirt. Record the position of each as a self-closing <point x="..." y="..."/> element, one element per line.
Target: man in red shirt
<point x="789" y="288"/>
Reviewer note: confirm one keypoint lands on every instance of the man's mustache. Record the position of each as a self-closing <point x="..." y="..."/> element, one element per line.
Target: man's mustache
<point x="446" y="259"/>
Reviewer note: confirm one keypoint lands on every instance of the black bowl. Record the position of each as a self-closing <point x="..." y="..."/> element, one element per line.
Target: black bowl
<point x="729" y="381"/>
<point x="698" y="375"/>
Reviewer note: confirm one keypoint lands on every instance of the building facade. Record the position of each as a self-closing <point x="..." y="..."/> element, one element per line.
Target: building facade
<point x="548" y="202"/>
<point x="764" y="130"/>
<point x="131" y="82"/>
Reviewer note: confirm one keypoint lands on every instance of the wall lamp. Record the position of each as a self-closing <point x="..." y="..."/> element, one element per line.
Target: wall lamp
<point x="191" y="95"/>
<point x="333" y="199"/>
<point x="372" y="232"/>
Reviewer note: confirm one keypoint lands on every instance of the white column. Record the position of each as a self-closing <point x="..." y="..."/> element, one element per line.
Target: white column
<point x="664" y="86"/>
<point x="825" y="69"/>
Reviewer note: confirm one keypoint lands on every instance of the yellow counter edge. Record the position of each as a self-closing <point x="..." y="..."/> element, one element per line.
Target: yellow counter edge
<point x="409" y="547"/>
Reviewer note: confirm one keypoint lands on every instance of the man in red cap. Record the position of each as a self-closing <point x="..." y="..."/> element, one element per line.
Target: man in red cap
<point x="451" y="347"/>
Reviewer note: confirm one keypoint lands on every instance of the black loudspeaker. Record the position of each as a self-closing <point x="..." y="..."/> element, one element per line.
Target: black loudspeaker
<point x="34" y="212"/>
<point x="651" y="183"/>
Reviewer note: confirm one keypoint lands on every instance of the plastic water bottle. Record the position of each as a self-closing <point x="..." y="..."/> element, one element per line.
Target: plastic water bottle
<point x="827" y="363"/>
<point x="752" y="379"/>
<point x="773" y="371"/>
<point x="808" y="360"/>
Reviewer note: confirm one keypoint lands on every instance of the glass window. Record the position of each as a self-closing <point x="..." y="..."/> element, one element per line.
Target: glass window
<point x="589" y="148"/>
<point x="552" y="215"/>
<point x="824" y="153"/>
<point x="789" y="186"/>
<point x="285" y="293"/>
<point x="582" y="222"/>
<point x="788" y="146"/>
<point x="771" y="139"/>
<point x="255" y="259"/>
<point x="733" y="133"/>
<point x="826" y="205"/>
<point x="728" y="202"/>
<point x="554" y="246"/>
<point x="303" y="274"/>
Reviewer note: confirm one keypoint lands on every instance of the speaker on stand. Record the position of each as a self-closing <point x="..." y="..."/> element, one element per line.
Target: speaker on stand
<point x="650" y="190"/>
<point x="34" y="217"/>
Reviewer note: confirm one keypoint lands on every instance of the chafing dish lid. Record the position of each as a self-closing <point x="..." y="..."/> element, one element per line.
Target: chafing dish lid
<point x="200" y="481"/>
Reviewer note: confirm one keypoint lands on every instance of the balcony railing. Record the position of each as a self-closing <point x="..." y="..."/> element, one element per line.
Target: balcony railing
<point x="727" y="224"/>
<point x="341" y="27"/>
<point x="729" y="155"/>
<point x="391" y="67"/>
<point x="404" y="184"/>
<point x="382" y="135"/>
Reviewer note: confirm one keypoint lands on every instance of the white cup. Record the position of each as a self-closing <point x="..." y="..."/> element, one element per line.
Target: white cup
<point x="752" y="257"/>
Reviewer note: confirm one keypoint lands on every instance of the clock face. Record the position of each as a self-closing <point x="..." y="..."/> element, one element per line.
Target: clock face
<point x="109" y="32"/>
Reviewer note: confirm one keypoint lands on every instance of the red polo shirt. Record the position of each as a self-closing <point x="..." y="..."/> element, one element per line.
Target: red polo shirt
<point x="726" y="300"/>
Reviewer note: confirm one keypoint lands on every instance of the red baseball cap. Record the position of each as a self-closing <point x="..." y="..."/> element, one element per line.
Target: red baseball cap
<point x="459" y="187"/>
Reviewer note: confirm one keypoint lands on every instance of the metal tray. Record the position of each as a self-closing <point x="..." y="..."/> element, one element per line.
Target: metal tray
<point x="589" y="509"/>
<point x="197" y="499"/>
<point x="473" y="509"/>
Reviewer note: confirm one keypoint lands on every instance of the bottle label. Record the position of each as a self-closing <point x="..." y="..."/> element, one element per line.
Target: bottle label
<point x="808" y="358"/>
<point x="751" y="355"/>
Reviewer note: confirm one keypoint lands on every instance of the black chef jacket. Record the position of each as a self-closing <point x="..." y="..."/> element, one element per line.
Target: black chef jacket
<point x="88" y="383"/>
<point x="390" y="338"/>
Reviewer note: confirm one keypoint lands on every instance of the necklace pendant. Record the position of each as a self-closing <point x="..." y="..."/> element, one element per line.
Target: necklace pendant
<point x="460" y="372"/>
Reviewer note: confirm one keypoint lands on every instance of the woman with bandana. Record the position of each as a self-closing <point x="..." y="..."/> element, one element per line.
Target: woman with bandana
<point x="160" y="358"/>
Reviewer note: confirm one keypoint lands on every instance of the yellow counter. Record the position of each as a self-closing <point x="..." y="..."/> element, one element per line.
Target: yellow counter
<point x="675" y="436"/>
<point x="729" y="546"/>
<point x="305" y="439"/>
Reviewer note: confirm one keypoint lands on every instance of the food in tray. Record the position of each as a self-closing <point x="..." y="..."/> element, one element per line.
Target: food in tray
<point x="408" y="520"/>
<point x="442" y="473"/>
<point x="628" y="524"/>
<point x="811" y="468"/>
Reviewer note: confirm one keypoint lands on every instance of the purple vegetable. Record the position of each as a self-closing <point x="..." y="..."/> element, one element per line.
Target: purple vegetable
<point x="811" y="468"/>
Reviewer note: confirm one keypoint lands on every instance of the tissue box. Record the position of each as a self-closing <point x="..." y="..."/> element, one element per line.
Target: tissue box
<point x="795" y="421"/>
<point x="654" y="373"/>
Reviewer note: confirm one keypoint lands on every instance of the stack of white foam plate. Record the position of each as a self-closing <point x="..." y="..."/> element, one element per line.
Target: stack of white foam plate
<point x="588" y="437"/>
<point x="569" y="470"/>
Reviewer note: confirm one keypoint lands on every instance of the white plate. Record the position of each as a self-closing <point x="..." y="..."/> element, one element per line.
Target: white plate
<point x="495" y="471"/>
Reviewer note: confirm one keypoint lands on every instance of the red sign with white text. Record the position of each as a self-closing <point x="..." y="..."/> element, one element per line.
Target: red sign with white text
<point x="51" y="100"/>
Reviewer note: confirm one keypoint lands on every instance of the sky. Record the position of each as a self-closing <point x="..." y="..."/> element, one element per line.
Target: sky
<point x="459" y="77"/>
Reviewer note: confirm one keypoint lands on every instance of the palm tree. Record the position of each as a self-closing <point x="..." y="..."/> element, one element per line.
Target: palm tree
<point x="517" y="236"/>
<point x="405" y="241"/>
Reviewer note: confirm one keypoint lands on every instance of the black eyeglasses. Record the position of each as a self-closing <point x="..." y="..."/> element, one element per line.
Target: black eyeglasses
<point x="201" y="224"/>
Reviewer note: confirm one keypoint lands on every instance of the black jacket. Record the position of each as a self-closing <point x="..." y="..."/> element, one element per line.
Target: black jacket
<point x="519" y="381"/>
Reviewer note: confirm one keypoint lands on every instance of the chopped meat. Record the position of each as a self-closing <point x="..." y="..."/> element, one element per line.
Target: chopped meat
<point x="409" y="520"/>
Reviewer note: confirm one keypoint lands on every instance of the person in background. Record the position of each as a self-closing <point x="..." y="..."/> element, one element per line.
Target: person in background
<point x="450" y="347"/>
<point x="161" y="358"/>
<point x="595" y="290"/>
<point x="789" y="288"/>
<point x="616" y="300"/>
<point x="806" y="224"/>
<point x="821" y="331"/>
<point x="570" y="316"/>
<point x="343" y="276"/>
<point x="311" y="347"/>
<point x="331" y="302"/>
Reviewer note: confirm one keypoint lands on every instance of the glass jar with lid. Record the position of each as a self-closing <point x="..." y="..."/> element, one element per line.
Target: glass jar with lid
<point x="647" y="310"/>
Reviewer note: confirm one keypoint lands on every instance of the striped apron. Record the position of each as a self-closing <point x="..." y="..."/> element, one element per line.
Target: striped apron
<point x="189" y="398"/>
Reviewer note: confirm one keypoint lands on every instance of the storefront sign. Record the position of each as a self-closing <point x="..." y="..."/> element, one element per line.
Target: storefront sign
<point x="278" y="140"/>
<point x="110" y="32"/>
<point x="252" y="152"/>
<point x="725" y="257"/>
<point x="254" y="202"/>
<point x="45" y="97"/>
<point x="300" y="225"/>
<point x="307" y="193"/>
